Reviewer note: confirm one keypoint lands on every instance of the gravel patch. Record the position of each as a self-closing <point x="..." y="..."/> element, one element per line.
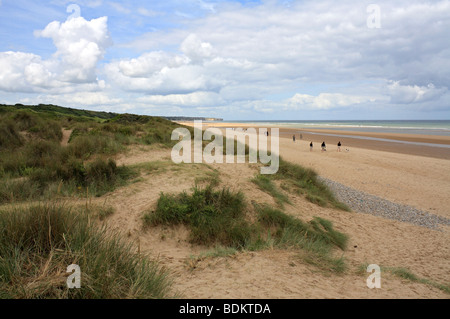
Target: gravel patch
<point x="370" y="204"/>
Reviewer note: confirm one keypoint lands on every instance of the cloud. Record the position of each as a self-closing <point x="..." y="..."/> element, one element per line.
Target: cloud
<point x="246" y="57"/>
<point x="324" y="101"/>
<point x="196" y="50"/>
<point x="163" y="73"/>
<point x="16" y="71"/>
<point x="196" y="99"/>
<point x="150" y="63"/>
<point x="80" y="46"/>
<point x="407" y="94"/>
<point x="91" y="99"/>
<point x="147" y="13"/>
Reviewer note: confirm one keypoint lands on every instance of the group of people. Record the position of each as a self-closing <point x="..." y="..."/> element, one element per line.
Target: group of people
<point x="323" y="146"/>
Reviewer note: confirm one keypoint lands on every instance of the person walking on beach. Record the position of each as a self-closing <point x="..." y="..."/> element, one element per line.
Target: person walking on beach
<point x="293" y="137"/>
<point x="324" y="147"/>
<point x="339" y="146"/>
<point x="311" y="146"/>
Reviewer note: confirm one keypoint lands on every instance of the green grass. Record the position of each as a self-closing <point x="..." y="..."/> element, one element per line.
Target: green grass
<point x="304" y="181"/>
<point x="33" y="163"/>
<point x="214" y="217"/>
<point x="406" y="274"/>
<point x="316" y="238"/>
<point x="220" y="217"/>
<point x="268" y="186"/>
<point x="38" y="243"/>
<point x="67" y="179"/>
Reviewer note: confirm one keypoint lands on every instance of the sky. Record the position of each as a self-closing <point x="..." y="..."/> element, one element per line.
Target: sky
<point x="236" y="60"/>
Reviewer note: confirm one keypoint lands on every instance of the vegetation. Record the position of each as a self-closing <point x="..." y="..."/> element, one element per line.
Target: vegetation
<point x="316" y="238"/>
<point x="38" y="243"/>
<point x="219" y="218"/>
<point x="406" y="274"/>
<point x="214" y="217"/>
<point x="305" y="181"/>
<point x="34" y="164"/>
<point x="268" y="186"/>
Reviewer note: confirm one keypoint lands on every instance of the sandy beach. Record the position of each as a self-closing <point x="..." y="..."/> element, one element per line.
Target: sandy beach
<point x="412" y="144"/>
<point x="419" y="181"/>
<point x="408" y="174"/>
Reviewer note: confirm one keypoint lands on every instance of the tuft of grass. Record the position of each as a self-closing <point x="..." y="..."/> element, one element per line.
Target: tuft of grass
<point x="214" y="217"/>
<point x="268" y="186"/>
<point x="317" y="237"/>
<point x="218" y="217"/>
<point x="304" y="181"/>
<point x="406" y="274"/>
<point x="211" y="178"/>
<point x="38" y="243"/>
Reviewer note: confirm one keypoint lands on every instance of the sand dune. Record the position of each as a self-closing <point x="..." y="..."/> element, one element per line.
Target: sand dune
<point x="423" y="182"/>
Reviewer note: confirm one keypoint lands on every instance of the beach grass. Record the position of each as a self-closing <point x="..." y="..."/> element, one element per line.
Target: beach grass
<point x="221" y="217"/>
<point x="304" y="181"/>
<point x="38" y="243"/>
<point x="213" y="216"/>
<point x="406" y="274"/>
<point x="34" y="164"/>
<point x="267" y="185"/>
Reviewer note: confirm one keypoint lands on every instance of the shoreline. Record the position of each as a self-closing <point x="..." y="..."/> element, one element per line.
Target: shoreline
<point x="435" y="146"/>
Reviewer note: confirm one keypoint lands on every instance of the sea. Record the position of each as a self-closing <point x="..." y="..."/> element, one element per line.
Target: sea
<point x="425" y="127"/>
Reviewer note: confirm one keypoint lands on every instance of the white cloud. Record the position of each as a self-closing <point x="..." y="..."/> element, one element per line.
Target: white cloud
<point x="406" y="94"/>
<point x="147" y="13"/>
<point x="324" y="101"/>
<point x="196" y="99"/>
<point x="249" y="57"/>
<point x="150" y="63"/>
<point x="75" y="99"/>
<point x="12" y="71"/>
<point x="196" y="50"/>
<point x="80" y="45"/>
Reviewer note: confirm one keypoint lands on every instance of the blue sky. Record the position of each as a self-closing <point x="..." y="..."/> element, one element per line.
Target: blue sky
<point x="239" y="60"/>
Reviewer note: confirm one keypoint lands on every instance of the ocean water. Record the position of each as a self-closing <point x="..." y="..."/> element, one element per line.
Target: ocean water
<point x="429" y="127"/>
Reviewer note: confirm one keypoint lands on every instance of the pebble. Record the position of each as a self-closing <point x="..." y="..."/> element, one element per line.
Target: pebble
<point x="369" y="204"/>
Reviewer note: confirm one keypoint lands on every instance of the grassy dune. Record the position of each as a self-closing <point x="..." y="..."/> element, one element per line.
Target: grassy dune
<point x="37" y="242"/>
